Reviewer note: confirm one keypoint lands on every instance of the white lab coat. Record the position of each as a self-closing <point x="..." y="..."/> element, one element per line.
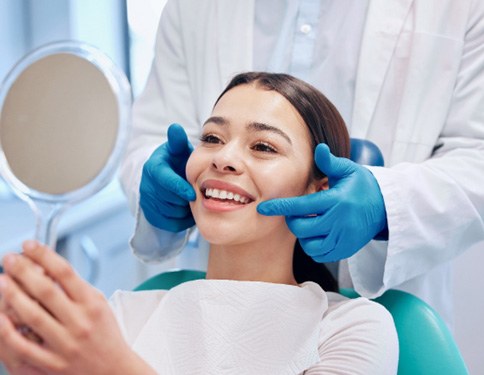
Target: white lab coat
<point x="419" y="97"/>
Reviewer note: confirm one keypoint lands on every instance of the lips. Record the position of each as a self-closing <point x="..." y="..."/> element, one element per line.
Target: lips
<point x="225" y="192"/>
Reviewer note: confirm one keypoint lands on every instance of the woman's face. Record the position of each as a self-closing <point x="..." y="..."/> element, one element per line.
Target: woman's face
<point x="254" y="147"/>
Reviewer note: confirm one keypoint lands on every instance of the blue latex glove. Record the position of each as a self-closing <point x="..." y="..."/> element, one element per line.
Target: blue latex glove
<point x="334" y="224"/>
<point x="164" y="191"/>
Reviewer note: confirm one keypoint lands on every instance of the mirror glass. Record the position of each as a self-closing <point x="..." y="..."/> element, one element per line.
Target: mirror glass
<point x="63" y="128"/>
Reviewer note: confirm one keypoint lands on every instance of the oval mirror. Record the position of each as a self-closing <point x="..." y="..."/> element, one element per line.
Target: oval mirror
<point x="64" y="115"/>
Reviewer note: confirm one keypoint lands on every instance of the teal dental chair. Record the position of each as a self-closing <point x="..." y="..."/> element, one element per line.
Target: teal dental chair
<point x="426" y="344"/>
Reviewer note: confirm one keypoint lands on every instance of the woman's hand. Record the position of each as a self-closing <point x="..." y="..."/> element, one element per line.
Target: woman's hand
<point x="75" y="328"/>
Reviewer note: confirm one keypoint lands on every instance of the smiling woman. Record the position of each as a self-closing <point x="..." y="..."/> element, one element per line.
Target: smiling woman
<point x="258" y="144"/>
<point x="260" y="310"/>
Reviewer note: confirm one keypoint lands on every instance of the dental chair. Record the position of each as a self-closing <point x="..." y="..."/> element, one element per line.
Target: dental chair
<point x="426" y="344"/>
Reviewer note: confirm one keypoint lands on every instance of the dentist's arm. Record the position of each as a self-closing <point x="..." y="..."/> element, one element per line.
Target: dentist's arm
<point x="334" y="224"/>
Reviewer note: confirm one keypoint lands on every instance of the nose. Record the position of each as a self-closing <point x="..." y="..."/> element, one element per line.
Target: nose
<point x="228" y="160"/>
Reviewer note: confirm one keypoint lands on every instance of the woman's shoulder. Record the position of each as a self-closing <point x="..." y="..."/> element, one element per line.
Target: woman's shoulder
<point x="362" y="312"/>
<point x="338" y="303"/>
<point x="359" y="334"/>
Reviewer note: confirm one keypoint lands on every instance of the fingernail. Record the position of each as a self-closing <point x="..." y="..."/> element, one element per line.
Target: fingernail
<point x="30" y="245"/>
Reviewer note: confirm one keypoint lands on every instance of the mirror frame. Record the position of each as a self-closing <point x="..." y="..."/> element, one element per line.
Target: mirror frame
<point x="121" y="90"/>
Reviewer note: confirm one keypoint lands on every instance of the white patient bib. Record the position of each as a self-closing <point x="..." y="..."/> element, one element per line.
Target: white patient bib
<point x="234" y="327"/>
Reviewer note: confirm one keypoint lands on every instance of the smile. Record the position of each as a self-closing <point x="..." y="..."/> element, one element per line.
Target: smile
<point x="226" y="195"/>
<point x="222" y="196"/>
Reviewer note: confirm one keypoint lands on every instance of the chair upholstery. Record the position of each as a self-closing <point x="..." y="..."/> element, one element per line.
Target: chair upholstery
<point x="365" y="152"/>
<point x="426" y="344"/>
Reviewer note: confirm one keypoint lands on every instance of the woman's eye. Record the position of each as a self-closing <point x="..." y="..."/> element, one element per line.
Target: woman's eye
<point x="209" y="138"/>
<point x="264" y="147"/>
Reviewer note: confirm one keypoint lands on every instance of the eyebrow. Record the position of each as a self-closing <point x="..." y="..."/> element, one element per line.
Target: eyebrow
<point x="253" y="126"/>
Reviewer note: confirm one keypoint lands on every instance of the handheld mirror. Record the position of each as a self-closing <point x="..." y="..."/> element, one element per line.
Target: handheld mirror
<point x="64" y="114"/>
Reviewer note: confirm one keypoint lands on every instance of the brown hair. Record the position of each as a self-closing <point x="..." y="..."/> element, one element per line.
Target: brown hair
<point x="325" y="125"/>
<point x="323" y="120"/>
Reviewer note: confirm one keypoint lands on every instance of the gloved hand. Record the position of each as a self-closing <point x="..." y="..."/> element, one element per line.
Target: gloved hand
<point x="334" y="224"/>
<point x="164" y="191"/>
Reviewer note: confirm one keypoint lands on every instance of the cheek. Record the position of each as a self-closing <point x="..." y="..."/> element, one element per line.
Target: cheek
<point x="193" y="167"/>
<point x="286" y="183"/>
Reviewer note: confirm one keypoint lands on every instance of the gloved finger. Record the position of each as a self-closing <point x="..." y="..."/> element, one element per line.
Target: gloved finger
<point x="175" y="225"/>
<point x="321" y="247"/>
<point x="184" y="224"/>
<point x="173" y="211"/>
<point x="165" y="208"/>
<point x="152" y="194"/>
<point x="164" y="179"/>
<point x="331" y="165"/>
<point x="309" y="226"/>
<point x="311" y="204"/>
<point x="178" y="143"/>
<point x="153" y="214"/>
<point x="312" y="246"/>
<point x="329" y="257"/>
<point x="179" y="186"/>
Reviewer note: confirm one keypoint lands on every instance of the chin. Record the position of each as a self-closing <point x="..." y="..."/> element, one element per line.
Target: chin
<point x="227" y="234"/>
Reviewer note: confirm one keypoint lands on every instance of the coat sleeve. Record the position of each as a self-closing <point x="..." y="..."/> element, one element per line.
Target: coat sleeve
<point x="166" y="99"/>
<point x="435" y="208"/>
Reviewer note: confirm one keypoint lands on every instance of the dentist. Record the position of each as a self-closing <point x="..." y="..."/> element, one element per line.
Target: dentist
<point x="405" y="74"/>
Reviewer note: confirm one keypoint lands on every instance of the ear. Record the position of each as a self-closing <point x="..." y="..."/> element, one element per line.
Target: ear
<point x="318" y="185"/>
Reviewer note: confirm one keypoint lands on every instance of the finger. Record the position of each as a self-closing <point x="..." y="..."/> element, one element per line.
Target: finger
<point x="58" y="269"/>
<point x="166" y="210"/>
<point x="169" y="224"/>
<point x="164" y="215"/>
<point x="16" y="350"/>
<point x="331" y="165"/>
<point x="5" y="308"/>
<point x="165" y="179"/>
<point x="323" y="249"/>
<point x="178" y="144"/>
<point x="31" y="314"/>
<point x="169" y="204"/>
<point x="170" y="181"/>
<point x="34" y="281"/>
<point x="313" y="247"/>
<point x="309" y="226"/>
<point x="180" y="224"/>
<point x="311" y="204"/>
<point x="25" y="369"/>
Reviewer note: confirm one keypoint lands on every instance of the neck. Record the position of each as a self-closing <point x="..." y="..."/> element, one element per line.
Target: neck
<point x="268" y="261"/>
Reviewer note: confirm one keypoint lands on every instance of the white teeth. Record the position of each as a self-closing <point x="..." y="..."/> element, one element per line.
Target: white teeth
<point x="224" y="194"/>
